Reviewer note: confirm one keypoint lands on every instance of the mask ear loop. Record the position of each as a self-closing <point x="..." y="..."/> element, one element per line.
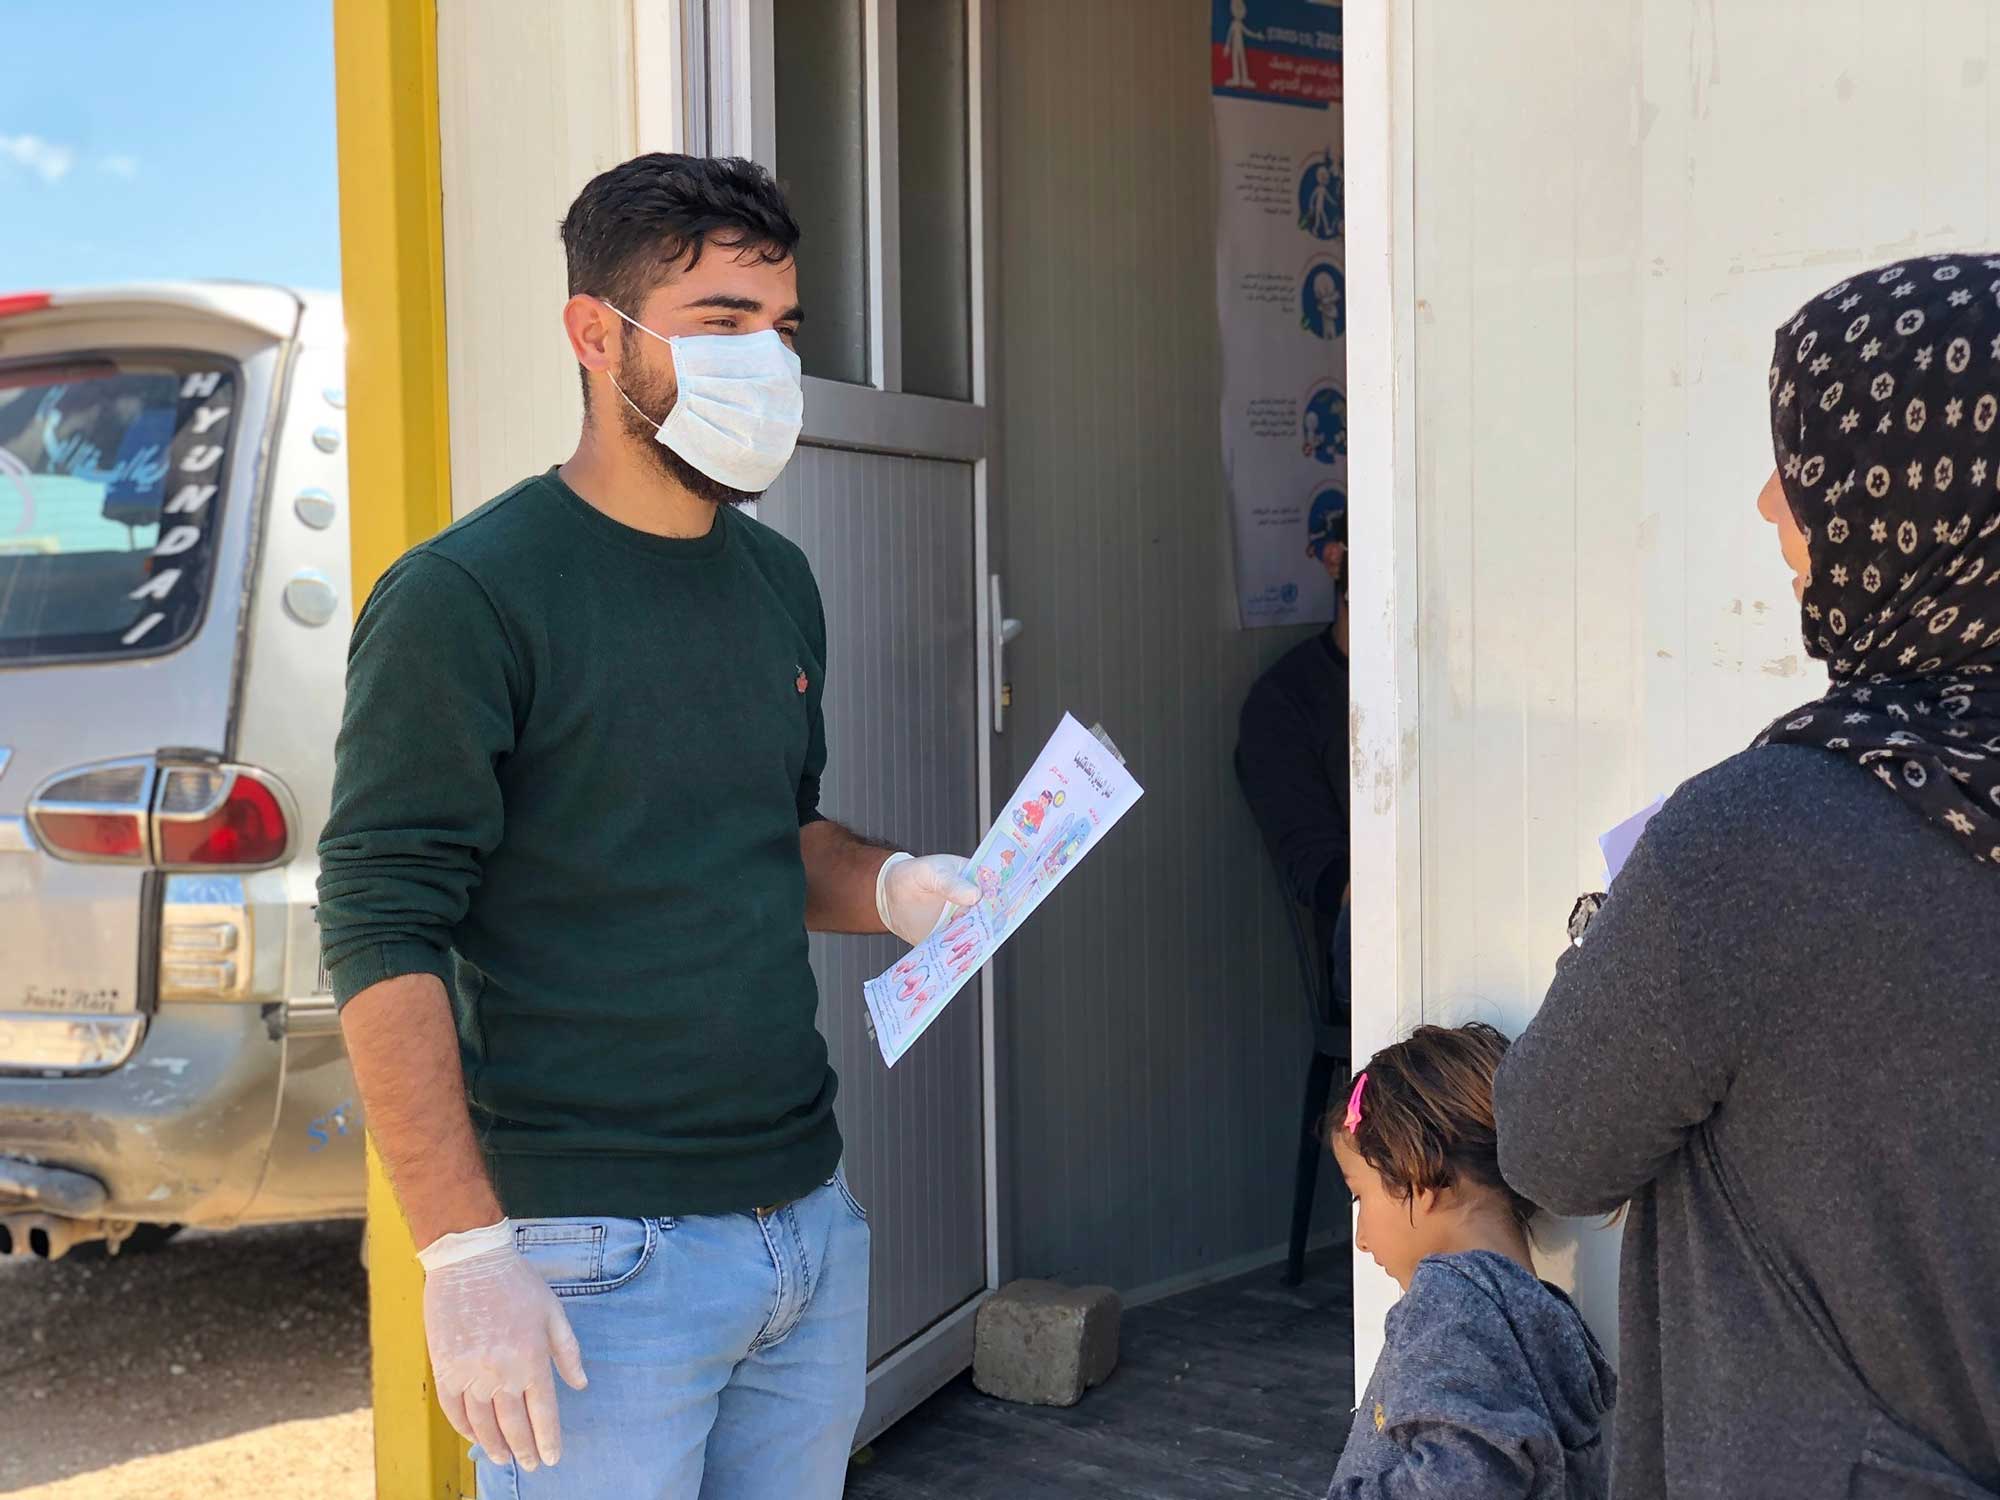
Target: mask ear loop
<point x="629" y="401"/>
<point x="657" y="425"/>
<point x="636" y="323"/>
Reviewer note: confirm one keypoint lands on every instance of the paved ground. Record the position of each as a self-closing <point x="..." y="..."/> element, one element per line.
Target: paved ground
<point x="200" y="1350"/>
<point x="325" y="1458"/>
<point x="206" y="1369"/>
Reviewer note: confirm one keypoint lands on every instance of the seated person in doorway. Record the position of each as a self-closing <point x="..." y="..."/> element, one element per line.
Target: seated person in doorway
<point x="1291" y="750"/>
<point x="1489" y="1382"/>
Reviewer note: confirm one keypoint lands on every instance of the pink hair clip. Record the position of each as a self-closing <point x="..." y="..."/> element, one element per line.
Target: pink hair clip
<point x="1353" y="1119"/>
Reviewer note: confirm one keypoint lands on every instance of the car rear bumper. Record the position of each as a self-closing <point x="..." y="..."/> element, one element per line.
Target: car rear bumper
<point x="179" y="1134"/>
<point x="57" y="1190"/>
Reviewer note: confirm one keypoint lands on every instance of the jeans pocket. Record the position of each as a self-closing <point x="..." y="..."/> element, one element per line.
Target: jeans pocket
<point x="583" y="1257"/>
<point x="839" y="1184"/>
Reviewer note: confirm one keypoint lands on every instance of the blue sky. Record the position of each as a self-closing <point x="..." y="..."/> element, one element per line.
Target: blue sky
<point x="141" y="140"/>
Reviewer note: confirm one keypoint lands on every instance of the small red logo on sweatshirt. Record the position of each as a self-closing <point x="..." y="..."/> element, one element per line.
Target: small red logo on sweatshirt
<point x="802" y="683"/>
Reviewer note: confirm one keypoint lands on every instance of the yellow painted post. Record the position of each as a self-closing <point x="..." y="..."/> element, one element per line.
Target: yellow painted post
<point x="399" y="484"/>
<point x="417" y="1454"/>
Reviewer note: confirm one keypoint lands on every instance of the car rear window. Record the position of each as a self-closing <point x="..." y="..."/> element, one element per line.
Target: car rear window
<point x="113" y="478"/>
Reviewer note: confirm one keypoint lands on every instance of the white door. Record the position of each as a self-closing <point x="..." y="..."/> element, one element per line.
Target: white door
<point x="869" y="113"/>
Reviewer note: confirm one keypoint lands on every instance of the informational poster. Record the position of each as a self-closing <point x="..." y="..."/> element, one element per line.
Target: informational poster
<point x="1076" y="791"/>
<point x="1281" y="295"/>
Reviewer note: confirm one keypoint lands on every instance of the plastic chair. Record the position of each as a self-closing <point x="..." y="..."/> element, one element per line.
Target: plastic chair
<point x="1313" y="936"/>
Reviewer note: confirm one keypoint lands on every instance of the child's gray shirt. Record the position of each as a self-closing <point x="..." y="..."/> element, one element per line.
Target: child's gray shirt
<point x="1489" y="1385"/>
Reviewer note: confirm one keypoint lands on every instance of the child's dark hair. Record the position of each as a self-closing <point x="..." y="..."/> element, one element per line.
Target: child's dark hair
<point x="1427" y="1113"/>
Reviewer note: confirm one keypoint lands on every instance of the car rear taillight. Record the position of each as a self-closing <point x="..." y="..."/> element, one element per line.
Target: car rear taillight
<point x="219" y="815"/>
<point x="23" y="302"/>
<point x="99" y="815"/>
<point x="107" y="836"/>
<point x="173" y="817"/>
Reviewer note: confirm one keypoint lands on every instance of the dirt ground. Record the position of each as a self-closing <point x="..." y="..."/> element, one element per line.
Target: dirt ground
<point x="212" y="1367"/>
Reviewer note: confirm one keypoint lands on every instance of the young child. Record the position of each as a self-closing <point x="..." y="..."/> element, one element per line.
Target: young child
<point x="1490" y="1385"/>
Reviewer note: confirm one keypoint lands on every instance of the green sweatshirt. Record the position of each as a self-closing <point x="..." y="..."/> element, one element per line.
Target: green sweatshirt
<point x="571" y="775"/>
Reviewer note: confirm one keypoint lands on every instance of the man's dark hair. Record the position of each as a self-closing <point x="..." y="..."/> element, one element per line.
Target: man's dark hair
<point x="636" y="225"/>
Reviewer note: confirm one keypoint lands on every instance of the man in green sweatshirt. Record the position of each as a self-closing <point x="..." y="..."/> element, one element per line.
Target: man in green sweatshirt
<point x="574" y="852"/>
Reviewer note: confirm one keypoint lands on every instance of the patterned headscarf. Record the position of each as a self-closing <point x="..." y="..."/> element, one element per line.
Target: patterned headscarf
<point x="1885" y="414"/>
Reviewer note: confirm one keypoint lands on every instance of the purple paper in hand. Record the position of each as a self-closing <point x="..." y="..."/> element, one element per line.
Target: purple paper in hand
<point x="1617" y="845"/>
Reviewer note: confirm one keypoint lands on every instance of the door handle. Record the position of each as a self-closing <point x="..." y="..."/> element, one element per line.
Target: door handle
<point x="1003" y="631"/>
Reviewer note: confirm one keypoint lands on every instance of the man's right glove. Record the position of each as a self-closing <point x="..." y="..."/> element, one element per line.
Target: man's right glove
<point x="913" y="897"/>
<point x="494" y="1326"/>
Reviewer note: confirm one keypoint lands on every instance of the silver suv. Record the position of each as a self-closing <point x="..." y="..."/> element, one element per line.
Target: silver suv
<point x="173" y="624"/>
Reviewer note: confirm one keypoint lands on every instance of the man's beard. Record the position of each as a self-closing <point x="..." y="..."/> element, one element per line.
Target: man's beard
<point x="654" y="394"/>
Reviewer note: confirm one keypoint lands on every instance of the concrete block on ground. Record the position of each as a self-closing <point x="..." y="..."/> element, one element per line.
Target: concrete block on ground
<point x="1044" y="1344"/>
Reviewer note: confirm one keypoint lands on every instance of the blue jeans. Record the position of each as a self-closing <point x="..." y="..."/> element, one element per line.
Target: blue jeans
<point x="727" y="1356"/>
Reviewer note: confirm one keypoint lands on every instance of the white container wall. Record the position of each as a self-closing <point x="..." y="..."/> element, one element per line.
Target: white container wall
<point x="1580" y="222"/>
<point x="533" y="101"/>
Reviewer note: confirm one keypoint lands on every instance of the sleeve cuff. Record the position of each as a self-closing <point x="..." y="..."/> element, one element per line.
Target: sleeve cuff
<point x="808" y="800"/>
<point x="370" y="965"/>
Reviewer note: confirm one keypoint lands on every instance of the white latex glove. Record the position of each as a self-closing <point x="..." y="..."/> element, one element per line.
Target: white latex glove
<point x="493" y="1327"/>
<point x="914" y="896"/>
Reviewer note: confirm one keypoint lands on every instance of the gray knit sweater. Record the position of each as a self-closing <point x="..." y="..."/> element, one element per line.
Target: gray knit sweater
<point x="1780" y="1040"/>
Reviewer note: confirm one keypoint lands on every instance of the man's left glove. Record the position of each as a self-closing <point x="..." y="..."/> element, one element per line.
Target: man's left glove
<point x="914" y="896"/>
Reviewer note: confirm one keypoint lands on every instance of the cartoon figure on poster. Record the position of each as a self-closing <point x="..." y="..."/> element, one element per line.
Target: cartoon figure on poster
<point x="1323" y="301"/>
<point x="1028" y="816"/>
<point x="1061" y="849"/>
<point x="1323" y="434"/>
<point x="1239" y="62"/>
<point x="1322" y="198"/>
<point x="1004" y="889"/>
<point x="994" y="884"/>
<point x="1326" y="530"/>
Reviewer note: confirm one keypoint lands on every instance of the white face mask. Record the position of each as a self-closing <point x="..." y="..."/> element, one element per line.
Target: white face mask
<point x="741" y="405"/>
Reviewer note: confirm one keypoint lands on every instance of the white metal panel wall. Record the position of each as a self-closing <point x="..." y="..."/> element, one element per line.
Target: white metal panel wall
<point x="902" y="763"/>
<point x="1615" y="204"/>
<point x="533" y="101"/>
<point x="1150" y="1015"/>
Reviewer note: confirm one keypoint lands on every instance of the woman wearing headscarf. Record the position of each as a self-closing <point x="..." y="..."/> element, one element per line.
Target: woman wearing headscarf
<point x="1778" y="1041"/>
